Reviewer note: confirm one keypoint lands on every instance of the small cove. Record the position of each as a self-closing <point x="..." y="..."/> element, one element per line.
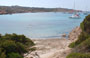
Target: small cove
<point x="39" y="25"/>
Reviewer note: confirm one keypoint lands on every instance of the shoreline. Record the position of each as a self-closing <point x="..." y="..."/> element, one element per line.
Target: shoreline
<point x="48" y="38"/>
<point x="54" y="48"/>
<point x="29" y="12"/>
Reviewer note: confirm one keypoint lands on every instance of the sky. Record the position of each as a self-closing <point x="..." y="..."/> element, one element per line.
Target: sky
<point x="79" y="4"/>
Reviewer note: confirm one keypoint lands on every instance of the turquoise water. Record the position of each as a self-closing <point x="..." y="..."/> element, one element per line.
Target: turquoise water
<point x="38" y="25"/>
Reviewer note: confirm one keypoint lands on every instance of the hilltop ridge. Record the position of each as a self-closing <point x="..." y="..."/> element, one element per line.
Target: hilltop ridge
<point x="22" y="9"/>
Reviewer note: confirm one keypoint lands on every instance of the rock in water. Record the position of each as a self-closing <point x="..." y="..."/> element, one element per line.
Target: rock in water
<point x="63" y="35"/>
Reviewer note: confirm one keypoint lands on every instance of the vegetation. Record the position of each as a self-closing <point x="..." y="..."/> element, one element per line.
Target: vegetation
<point x="78" y="55"/>
<point x="82" y="37"/>
<point x="14" y="46"/>
<point x="82" y="46"/>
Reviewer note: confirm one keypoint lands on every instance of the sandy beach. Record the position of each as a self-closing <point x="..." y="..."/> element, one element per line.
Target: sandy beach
<point x="54" y="48"/>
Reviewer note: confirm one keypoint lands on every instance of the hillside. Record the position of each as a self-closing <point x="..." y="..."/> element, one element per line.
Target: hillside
<point x="81" y="47"/>
<point x="20" y="9"/>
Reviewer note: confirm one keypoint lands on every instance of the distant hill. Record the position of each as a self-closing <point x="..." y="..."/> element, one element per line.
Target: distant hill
<point x="21" y="9"/>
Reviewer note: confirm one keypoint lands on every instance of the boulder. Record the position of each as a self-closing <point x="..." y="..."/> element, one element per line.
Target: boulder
<point x="64" y="35"/>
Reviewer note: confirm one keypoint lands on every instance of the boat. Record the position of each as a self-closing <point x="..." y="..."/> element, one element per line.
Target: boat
<point x="75" y="15"/>
<point x="86" y="13"/>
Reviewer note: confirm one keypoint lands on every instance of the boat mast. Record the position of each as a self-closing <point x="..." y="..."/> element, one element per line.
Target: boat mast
<point x="86" y="6"/>
<point x="74" y="6"/>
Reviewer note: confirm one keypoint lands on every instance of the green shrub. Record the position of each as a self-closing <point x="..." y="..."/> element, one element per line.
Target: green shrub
<point x="18" y="38"/>
<point x="32" y="49"/>
<point x="2" y="54"/>
<point x="14" y="46"/>
<point x="9" y="46"/>
<point x="84" y="47"/>
<point x="72" y="45"/>
<point x="21" y="48"/>
<point x="82" y="37"/>
<point x="14" y="55"/>
<point x="78" y="55"/>
<point x="85" y="25"/>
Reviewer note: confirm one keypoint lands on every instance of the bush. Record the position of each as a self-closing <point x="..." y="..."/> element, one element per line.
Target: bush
<point x="14" y="46"/>
<point x="21" y="48"/>
<point x="32" y="49"/>
<point x="72" y="45"/>
<point x="2" y="54"/>
<point x="84" y="47"/>
<point x="8" y="46"/>
<point x="18" y="38"/>
<point x="85" y="25"/>
<point x="82" y="37"/>
<point x="78" y="55"/>
<point x="14" y="55"/>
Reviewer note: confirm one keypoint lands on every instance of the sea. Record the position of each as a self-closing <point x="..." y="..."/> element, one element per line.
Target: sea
<point x="39" y="25"/>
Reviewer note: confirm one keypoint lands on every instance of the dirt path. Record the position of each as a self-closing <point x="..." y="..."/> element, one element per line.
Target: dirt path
<point x="59" y="51"/>
<point x="51" y="48"/>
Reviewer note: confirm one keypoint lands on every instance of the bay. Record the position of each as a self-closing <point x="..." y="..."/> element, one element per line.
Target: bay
<point x="39" y="25"/>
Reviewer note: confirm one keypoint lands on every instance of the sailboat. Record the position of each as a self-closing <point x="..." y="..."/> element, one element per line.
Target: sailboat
<point x="75" y="15"/>
<point x="85" y="13"/>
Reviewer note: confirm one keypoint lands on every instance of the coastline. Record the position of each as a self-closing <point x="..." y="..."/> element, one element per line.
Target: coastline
<point x="54" y="48"/>
<point x="23" y="9"/>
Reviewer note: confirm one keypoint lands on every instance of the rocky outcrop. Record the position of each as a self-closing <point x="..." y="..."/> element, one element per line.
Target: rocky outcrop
<point x="73" y="35"/>
<point x="64" y="35"/>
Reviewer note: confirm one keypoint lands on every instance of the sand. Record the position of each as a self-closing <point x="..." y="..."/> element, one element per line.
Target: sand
<point x="54" y="48"/>
<point x="51" y="48"/>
